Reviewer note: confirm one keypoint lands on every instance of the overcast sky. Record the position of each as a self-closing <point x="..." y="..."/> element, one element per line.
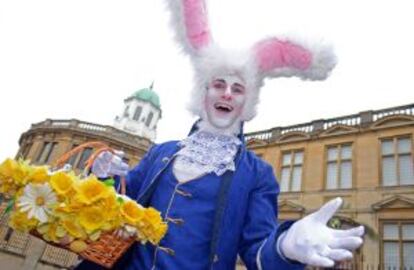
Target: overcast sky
<point x="81" y="58"/>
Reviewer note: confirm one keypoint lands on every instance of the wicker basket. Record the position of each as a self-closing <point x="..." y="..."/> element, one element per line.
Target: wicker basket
<point x="108" y="248"/>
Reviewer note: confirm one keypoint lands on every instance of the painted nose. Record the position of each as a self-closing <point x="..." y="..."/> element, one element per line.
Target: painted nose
<point x="227" y="94"/>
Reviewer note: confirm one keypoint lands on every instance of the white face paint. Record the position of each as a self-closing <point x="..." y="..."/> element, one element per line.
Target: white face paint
<point x="225" y="100"/>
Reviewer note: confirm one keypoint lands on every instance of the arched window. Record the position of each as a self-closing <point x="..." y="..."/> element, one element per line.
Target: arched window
<point x="149" y="119"/>
<point x="137" y="113"/>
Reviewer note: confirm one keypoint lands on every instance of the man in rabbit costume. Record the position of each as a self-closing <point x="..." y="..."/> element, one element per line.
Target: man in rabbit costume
<point x="220" y="199"/>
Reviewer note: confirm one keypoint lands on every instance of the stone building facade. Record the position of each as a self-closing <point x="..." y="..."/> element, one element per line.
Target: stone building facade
<point x="367" y="159"/>
<point x="48" y="140"/>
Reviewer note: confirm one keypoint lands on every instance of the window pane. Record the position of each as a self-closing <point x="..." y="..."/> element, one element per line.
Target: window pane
<point x="298" y="157"/>
<point x="73" y="157"/>
<point x="391" y="231"/>
<point x="286" y="159"/>
<point x="404" y="145"/>
<point x="284" y="184"/>
<point x="296" y="178"/>
<point x="346" y="174"/>
<point x="389" y="174"/>
<point x="45" y="150"/>
<point x="406" y="170"/>
<point x="391" y="256"/>
<point x="137" y="113"/>
<point x="26" y="150"/>
<point x="149" y="119"/>
<point x="332" y="153"/>
<point x="331" y="182"/>
<point x="346" y="152"/>
<point x="408" y="256"/>
<point x="387" y="147"/>
<point x="408" y="232"/>
<point x="84" y="157"/>
<point x="126" y="111"/>
<point x="49" y="154"/>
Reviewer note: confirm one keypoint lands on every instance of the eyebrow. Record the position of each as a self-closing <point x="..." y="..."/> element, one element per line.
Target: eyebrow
<point x="220" y="80"/>
<point x="238" y="84"/>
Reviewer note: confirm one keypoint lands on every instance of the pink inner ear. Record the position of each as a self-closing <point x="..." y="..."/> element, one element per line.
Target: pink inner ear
<point x="274" y="53"/>
<point x="196" y="23"/>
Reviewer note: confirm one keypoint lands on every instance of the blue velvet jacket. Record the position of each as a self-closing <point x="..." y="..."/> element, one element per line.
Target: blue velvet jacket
<point x="246" y="218"/>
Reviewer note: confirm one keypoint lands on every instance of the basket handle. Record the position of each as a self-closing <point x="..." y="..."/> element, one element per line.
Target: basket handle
<point x="102" y="147"/>
<point x="65" y="157"/>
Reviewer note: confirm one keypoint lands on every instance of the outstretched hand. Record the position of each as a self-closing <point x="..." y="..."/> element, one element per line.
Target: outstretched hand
<point x="109" y="164"/>
<point x="310" y="241"/>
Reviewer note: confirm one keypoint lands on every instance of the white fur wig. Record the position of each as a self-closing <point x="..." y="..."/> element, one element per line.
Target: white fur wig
<point x="269" y="58"/>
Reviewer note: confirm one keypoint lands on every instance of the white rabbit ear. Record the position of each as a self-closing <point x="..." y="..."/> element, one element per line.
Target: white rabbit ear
<point x="276" y="57"/>
<point x="190" y="22"/>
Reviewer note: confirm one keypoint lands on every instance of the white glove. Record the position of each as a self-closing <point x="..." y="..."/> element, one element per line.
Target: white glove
<point x="310" y="241"/>
<point x="108" y="164"/>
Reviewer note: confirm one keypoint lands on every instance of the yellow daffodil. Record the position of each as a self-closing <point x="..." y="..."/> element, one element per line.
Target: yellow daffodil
<point x="8" y="187"/>
<point x="62" y="210"/>
<point x="73" y="228"/>
<point x="112" y="209"/>
<point x="92" y="218"/>
<point x="132" y="212"/>
<point x="52" y="231"/>
<point x="7" y="168"/>
<point x="110" y="202"/>
<point x="151" y="227"/>
<point x="39" y="175"/>
<point x="21" y="172"/>
<point x="91" y="190"/>
<point x="152" y="216"/>
<point x="21" y="222"/>
<point x="153" y="232"/>
<point x="62" y="182"/>
<point x="159" y="233"/>
<point x="13" y="174"/>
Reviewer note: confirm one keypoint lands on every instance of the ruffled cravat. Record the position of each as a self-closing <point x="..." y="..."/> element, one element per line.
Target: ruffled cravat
<point x="205" y="152"/>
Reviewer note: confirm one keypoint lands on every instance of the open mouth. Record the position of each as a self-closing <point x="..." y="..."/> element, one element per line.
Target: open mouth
<point x="222" y="107"/>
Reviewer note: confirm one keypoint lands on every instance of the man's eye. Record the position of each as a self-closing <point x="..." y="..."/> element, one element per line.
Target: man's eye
<point x="219" y="85"/>
<point x="237" y="89"/>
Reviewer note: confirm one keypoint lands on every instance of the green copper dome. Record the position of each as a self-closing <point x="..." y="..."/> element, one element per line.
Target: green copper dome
<point x="147" y="94"/>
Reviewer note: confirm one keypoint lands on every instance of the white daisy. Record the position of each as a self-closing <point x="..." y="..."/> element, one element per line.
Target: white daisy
<point x="37" y="200"/>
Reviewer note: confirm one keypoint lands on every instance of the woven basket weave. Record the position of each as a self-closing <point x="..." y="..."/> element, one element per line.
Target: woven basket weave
<point x="107" y="249"/>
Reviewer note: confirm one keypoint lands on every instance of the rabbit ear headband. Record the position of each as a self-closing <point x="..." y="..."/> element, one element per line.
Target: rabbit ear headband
<point x="268" y="58"/>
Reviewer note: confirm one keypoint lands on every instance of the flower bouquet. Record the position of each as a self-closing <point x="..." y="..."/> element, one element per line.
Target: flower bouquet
<point x="79" y="214"/>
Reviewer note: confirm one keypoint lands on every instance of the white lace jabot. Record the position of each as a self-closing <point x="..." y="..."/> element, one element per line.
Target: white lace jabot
<point x="204" y="152"/>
